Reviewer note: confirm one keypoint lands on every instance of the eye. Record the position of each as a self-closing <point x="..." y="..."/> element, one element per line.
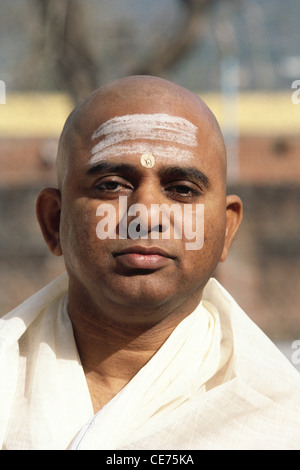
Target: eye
<point x="183" y="191"/>
<point x="112" y="185"/>
<point x="108" y="186"/>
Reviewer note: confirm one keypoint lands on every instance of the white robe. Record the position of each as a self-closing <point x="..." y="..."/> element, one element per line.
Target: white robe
<point x="216" y="383"/>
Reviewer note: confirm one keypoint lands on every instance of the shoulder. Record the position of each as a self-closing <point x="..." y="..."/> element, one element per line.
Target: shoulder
<point x="256" y="361"/>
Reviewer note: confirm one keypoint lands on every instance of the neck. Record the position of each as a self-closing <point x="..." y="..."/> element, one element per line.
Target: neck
<point x="112" y="353"/>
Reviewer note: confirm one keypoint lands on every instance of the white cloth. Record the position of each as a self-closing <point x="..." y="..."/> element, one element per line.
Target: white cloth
<point x="216" y="383"/>
<point x="181" y="367"/>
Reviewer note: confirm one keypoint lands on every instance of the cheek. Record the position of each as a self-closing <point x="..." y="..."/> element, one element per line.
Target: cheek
<point x="78" y="231"/>
<point x="214" y="236"/>
<point x="203" y="260"/>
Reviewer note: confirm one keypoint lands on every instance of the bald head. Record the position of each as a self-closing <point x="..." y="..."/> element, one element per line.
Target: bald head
<point x="137" y="95"/>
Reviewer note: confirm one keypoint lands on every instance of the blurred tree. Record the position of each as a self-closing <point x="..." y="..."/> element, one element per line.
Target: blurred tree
<point x="64" y="37"/>
<point x="182" y="40"/>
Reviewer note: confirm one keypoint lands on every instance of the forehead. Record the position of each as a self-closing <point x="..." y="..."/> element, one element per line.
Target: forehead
<point x="159" y="134"/>
<point x="175" y="130"/>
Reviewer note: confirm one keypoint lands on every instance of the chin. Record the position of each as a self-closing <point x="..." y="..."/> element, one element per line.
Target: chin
<point x="143" y="291"/>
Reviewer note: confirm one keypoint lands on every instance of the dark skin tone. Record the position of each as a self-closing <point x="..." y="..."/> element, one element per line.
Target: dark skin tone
<point x="121" y="314"/>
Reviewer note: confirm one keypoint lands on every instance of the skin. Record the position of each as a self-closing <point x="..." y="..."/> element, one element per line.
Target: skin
<point x="122" y="314"/>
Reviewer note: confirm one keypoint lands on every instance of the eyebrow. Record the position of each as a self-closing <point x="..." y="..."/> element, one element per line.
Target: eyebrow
<point x="190" y="173"/>
<point x="112" y="167"/>
<point x="177" y="172"/>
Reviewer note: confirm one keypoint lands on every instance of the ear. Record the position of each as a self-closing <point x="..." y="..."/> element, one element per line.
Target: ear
<point x="234" y="215"/>
<point x="48" y="208"/>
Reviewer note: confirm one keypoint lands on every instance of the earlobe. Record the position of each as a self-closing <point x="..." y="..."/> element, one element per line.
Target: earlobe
<point x="234" y="215"/>
<point x="48" y="209"/>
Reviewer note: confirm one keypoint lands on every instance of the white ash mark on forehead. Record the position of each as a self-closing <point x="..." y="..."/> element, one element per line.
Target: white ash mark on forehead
<point x="154" y="127"/>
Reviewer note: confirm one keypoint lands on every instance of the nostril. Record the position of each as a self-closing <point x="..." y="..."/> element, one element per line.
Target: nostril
<point x="137" y="230"/>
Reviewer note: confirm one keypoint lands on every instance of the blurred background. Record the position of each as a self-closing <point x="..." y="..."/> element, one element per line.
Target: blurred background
<point x="241" y="56"/>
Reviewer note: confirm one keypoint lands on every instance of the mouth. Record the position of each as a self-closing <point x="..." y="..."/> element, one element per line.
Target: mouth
<point x="140" y="257"/>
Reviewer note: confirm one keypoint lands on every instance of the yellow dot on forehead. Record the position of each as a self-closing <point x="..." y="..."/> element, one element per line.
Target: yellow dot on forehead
<point x="147" y="160"/>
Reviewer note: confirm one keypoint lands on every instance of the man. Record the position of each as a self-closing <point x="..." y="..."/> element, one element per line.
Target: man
<point x="137" y="346"/>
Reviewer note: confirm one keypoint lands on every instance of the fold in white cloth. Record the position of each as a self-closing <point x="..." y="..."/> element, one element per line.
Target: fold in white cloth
<point x="216" y="383"/>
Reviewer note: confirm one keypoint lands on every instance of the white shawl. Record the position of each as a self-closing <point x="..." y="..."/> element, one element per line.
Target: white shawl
<point x="216" y="383"/>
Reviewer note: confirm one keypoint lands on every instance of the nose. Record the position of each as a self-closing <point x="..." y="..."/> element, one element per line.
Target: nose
<point x="145" y="217"/>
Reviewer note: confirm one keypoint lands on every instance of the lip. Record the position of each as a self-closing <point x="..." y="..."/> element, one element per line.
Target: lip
<point x="144" y="250"/>
<point x="141" y="257"/>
